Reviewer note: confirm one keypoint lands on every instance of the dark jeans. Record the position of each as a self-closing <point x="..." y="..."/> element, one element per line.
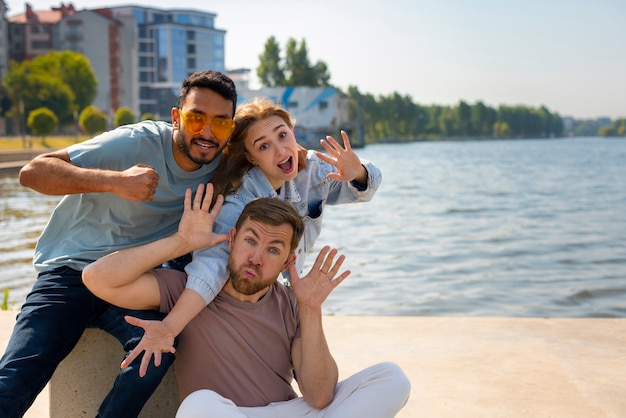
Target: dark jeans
<point x="51" y="322"/>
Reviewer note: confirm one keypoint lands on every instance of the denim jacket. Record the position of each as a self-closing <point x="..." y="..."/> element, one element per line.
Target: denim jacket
<point x="308" y="193"/>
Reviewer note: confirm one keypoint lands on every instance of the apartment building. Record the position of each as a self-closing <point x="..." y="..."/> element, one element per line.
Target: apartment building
<point x="171" y="44"/>
<point x="31" y="32"/>
<point x="140" y="55"/>
<point x="110" y="46"/>
<point x="4" y="39"/>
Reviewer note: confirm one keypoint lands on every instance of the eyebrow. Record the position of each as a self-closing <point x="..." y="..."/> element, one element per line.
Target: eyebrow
<point x="279" y="126"/>
<point x="257" y="235"/>
<point x="201" y="112"/>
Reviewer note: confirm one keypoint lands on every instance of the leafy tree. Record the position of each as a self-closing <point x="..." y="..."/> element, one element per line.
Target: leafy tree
<point x="482" y="119"/>
<point x="297" y="65"/>
<point x="56" y="96"/>
<point x="463" y="116"/>
<point x="501" y="130"/>
<point x="448" y="122"/>
<point x="73" y="69"/>
<point x="61" y="81"/>
<point x="92" y="120"/>
<point x="270" y="71"/>
<point x="148" y="116"/>
<point x="616" y="128"/>
<point x="296" y="70"/>
<point x="29" y="90"/>
<point x="42" y="121"/>
<point x="123" y="116"/>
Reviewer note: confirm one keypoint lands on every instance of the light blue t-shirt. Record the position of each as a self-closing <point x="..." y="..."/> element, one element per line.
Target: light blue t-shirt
<point x="85" y="227"/>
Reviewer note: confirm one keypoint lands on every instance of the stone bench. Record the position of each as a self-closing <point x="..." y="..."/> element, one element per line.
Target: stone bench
<point x="83" y="379"/>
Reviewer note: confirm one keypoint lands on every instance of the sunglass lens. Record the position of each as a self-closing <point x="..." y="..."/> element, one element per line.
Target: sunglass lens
<point x="222" y="128"/>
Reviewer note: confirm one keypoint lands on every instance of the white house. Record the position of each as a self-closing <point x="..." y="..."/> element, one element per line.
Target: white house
<point x="319" y="111"/>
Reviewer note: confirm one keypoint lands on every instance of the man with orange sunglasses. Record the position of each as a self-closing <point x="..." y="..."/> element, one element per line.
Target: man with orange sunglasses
<point x="122" y="188"/>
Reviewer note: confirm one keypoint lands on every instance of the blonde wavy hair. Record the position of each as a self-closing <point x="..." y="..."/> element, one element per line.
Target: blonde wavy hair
<point x="234" y="163"/>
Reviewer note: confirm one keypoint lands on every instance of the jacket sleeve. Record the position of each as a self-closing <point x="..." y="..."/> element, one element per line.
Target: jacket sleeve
<point x="347" y="192"/>
<point x="208" y="270"/>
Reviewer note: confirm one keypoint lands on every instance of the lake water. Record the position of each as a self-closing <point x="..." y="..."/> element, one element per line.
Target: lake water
<point x="517" y="228"/>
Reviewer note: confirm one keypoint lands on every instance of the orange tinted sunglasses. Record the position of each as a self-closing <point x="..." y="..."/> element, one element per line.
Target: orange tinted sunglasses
<point x="196" y="123"/>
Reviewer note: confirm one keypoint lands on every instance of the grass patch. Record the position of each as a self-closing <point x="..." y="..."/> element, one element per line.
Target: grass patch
<point x="15" y="143"/>
<point x="5" y="300"/>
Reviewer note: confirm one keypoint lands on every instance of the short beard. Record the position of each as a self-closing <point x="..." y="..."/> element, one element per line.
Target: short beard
<point x="180" y="140"/>
<point x="244" y="285"/>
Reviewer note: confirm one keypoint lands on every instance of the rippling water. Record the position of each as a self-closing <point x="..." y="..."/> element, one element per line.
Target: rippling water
<point x="476" y="228"/>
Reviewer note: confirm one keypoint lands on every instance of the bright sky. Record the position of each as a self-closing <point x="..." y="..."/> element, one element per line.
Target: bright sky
<point x="569" y="55"/>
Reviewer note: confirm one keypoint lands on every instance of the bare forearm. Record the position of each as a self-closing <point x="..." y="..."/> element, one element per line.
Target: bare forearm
<point x="125" y="266"/>
<point x="317" y="374"/>
<point x="55" y="176"/>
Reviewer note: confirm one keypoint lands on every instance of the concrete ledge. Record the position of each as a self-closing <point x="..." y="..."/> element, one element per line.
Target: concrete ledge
<point x="83" y="379"/>
<point x="470" y="367"/>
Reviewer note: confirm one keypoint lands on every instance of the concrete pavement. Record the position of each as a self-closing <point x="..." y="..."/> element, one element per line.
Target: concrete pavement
<point x="479" y="367"/>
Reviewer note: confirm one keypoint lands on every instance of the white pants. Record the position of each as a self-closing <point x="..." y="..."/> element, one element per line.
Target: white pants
<point x="379" y="391"/>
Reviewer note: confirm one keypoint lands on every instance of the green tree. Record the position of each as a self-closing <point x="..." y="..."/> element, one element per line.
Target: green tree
<point x="61" y="81"/>
<point x="297" y="66"/>
<point x="616" y="128"/>
<point x="270" y="71"/>
<point x="42" y="121"/>
<point x="148" y="116"/>
<point x="92" y="120"/>
<point x="501" y="130"/>
<point x="73" y="69"/>
<point x="482" y="119"/>
<point x="448" y="122"/>
<point x="29" y="90"/>
<point x="123" y="116"/>
<point x="296" y="70"/>
<point x="463" y="115"/>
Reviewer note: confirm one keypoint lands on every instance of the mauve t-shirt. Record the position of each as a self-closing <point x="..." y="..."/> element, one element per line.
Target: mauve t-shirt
<point x="240" y="350"/>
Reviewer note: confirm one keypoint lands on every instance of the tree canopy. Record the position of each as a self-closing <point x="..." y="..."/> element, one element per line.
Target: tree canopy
<point x="397" y="117"/>
<point x="296" y="68"/>
<point x="62" y="81"/>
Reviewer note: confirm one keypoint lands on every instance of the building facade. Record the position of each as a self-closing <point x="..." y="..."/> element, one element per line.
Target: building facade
<point x="140" y="55"/>
<point x="171" y="45"/>
<point x="102" y="39"/>
<point x="31" y="33"/>
<point x="319" y="111"/>
<point x="4" y="39"/>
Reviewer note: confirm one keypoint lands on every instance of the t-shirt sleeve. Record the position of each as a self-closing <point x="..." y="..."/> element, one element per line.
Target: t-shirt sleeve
<point x="171" y="285"/>
<point x="112" y="150"/>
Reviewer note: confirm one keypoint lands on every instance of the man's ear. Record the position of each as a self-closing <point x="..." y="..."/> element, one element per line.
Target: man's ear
<point x="290" y="260"/>
<point x="231" y="238"/>
<point x="175" y="116"/>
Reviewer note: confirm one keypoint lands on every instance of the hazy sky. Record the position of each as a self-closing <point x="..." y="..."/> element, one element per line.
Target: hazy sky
<point x="569" y="55"/>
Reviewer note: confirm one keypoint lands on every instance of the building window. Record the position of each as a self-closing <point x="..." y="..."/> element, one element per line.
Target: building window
<point x="292" y="105"/>
<point x="145" y="47"/>
<point x="323" y="105"/>
<point x="73" y="31"/>
<point x="191" y="49"/>
<point x="40" y="45"/>
<point x="183" y="19"/>
<point x="36" y="29"/>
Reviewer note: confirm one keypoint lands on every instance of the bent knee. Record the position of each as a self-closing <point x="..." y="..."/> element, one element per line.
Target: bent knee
<point x="396" y="376"/>
<point x="197" y="404"/>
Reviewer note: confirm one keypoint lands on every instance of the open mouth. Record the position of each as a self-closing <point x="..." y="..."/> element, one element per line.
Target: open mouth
<point x="204" y="144"/>
<point x="286" y="165"/>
